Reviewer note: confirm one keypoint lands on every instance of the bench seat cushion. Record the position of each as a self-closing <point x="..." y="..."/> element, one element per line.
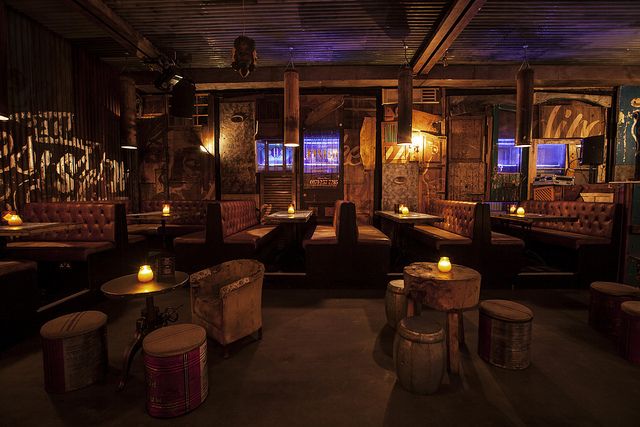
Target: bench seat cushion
<point x="136" y="238"/>
<point x="255" y="237"/>
<point x="62" y="251"/>
<point x="500" y="239"/>
<point x="440" y="237"/>
<point x="14" y="266"/>
<point x="369" y="235"/>
<point x="322" y="235"/>
<point x="566" y="239"/>
<point x="143" y="229"/>
<point x="196" y="238"/>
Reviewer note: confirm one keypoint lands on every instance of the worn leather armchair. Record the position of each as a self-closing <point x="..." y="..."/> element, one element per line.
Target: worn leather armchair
<point x="226" y="300"/>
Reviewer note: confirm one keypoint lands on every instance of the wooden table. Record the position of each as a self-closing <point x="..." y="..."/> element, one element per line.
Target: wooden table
<point x="284" y="217"/>
<point x="295" y="223"/>
<point x="29" y="229"/>
<point x="527" y="220"/>
<point x="452" y="292"/>
<point x="150" y="318"/>
<point x="155" y="217"/>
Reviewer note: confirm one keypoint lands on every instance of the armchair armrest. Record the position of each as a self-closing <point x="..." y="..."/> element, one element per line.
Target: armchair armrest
<point x="226" y="290"/>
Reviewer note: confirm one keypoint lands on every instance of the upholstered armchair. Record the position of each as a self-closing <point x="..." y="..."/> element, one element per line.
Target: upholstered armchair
<point x="226" y="300"/>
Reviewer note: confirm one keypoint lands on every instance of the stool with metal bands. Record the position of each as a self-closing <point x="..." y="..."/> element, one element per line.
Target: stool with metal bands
<point x="395" y="302"/>
<point x="504" y="334"/>
<point x="604" y="306"/>
<point x="630" y="331"/>
<point x="175" y="360"/>
<point x="74" y="351"/>
<point x="419" y="354"/>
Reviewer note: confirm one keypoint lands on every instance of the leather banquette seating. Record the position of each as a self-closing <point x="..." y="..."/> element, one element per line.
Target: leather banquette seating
<point x="345" y="253"/>
<point x="191" y="217"/>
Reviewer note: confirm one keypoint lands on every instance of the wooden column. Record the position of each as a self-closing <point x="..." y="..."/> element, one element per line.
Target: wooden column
<point x="292" y="123"/>
<point x="128" y="112"/>
<point x="405" y="105"/>
<point x="4" y="58"/>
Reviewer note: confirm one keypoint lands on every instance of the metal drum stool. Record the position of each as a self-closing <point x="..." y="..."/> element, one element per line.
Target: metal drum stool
<point x="604" y="306"/>
<point x="74" y="351"/>
<point x="395" y="303"/>
<point x="419" y="354"/>
<point x="175" y="361"/>
<point x="504" y="334"/>
<point x="630" y="331"/>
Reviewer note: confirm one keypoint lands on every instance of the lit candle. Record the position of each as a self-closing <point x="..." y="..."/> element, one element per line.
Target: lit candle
<point x="166" y="209"/>
<point x="404" y="210"/>
<point x="512" y="209"/>
<point x="444" y="265"/>
<point x="520" y="211"/>
<point x="291" y="210"/>
<point x="400" y="207"/>
<point x="145" y="274"/>
<point x="14" y="219"/>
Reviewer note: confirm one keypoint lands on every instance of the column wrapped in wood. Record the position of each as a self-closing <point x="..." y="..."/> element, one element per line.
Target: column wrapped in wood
<point x="4" y="57"/>
<point x="405" y="105"/>
<point x="128" y="112"/>
<point x="524" y="106"/>
<point x="291" y="108"/>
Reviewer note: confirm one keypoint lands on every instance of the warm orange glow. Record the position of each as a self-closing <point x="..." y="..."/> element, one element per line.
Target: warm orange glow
<point x="512" y="209"/>
<point x="520" y="211"/>
<point x="166" y="209"/>
<point x="14" y="219"/>
<point x="404" y="210"/>
<point x="291" y="210"/>
<point x="444" y="265"/>
<point x="145" y="274"/>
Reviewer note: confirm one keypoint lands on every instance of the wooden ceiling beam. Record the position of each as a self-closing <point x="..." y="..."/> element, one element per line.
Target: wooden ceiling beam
<point x="121" y="31"/>
<point x="434" y="47"/>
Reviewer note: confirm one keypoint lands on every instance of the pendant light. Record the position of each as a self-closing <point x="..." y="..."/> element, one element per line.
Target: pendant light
<point x="128" y="136"/>
<point x="291" y="106"/>
<point x="405" y="102"/>
<point x="524" y="103"/>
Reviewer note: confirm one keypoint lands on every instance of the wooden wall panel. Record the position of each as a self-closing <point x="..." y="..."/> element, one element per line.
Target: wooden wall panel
<point x="466" y="177"/>
<point x="237" y="148"/>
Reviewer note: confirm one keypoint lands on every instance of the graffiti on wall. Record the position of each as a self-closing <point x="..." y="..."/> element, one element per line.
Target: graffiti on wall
<point x="42" y="159"/>
<point x="628" y="104"/>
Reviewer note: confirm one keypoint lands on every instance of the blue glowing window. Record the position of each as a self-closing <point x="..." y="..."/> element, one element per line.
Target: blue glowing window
<point x="321" y="152"/>
<point x="508" y="156"/>
<point x="552" y="156"/>
<point x="272" y="156"/>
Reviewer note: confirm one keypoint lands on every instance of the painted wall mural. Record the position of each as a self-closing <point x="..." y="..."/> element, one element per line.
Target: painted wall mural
<point x="237" y="147"/>
<point x="628" y="104"/>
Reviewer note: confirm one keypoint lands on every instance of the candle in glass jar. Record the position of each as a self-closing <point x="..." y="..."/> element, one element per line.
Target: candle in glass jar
<point x="14" y="220"/>
<point x="166" y="209"/>
<point x="291" y="210"/>
<point x="404" y="210"/>
<point x="444" y="265"/>
<point x="520" y="211"/>
<point x="512" y="209"/>
<point x="145" y="274"/>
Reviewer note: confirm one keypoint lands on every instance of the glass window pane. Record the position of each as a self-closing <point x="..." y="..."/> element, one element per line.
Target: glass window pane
<point x="276" y="157"/>
<point x="552" y="157"/>
<point x="508" y="156"/>
<point x="260" y="156"/>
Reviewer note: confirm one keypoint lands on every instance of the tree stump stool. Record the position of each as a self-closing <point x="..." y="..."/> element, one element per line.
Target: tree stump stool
<point x="175" y="360"/>
<point x="504" y="334"/>
<point x="604" y="306"/>
<point x="74" y="351"/>
<point x="451" y="292"/>
<point x="395" y="302"/>
<point x="630" y="331"/>
<point x="418" y="354"/>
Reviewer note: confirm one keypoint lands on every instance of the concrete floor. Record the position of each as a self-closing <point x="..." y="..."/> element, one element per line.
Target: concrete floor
<point x="326" y="360"/>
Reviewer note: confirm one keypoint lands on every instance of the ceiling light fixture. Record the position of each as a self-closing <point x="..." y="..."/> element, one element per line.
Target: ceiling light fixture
<point x="524" y="103"/>
<point x="405" y="101"/>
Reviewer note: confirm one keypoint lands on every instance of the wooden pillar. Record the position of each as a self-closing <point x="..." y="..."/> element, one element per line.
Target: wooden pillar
<point x="4" y="59"/>
<point x="292" y="122"/>
<point x="216" y="145"/>
<point x="405" y="105"/>
<point x="128" y="112"/>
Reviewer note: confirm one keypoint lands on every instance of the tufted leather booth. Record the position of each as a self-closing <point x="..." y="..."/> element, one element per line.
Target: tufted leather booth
<point x="346" y="252"/>
<point x="192" y="212"/>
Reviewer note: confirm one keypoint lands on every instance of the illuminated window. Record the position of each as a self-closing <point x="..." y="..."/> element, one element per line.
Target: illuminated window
<point x="272" y="156"/>
<point x="201" y="110"/>
<point x="322" y="152"/>
<point x="508" y="156"/>
<point x="552" y="158"/>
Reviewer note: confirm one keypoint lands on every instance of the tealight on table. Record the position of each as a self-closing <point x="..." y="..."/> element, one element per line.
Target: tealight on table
<point x="452" y="292"/>
<point x="150" y="318"/>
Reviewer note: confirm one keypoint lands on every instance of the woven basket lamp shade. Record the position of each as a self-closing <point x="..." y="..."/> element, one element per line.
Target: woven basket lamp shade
<point x="405" y="105"/>
<point x="524" y="106"/>
<point x="291" y="108"/>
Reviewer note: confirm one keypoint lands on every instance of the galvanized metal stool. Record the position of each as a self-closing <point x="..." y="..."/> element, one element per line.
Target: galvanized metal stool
<point x="395" y="303"/>
<point x="419" y="354"/>
<point x="175" y="360"/>
<point x="504" y="334"/>
<point x="604" y="306"/>
<point x="630" y="331"/>
<point x="74" y="351"/>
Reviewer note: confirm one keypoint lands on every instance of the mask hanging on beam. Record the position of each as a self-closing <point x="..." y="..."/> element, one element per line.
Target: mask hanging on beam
<point x="244" y="55"/>
<point x="405" y="105"/>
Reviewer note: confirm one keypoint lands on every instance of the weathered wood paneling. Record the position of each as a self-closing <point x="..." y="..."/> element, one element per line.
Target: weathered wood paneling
<point x="466" y="178"/>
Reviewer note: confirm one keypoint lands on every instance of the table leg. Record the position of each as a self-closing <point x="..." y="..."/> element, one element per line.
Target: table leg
<point x="414" y="305"/>
<point x="453" y="344"/>
<point x="129" y="354"/>
<point x="163" y="233"/>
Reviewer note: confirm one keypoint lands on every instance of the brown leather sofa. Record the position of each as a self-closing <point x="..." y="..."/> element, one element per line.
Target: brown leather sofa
<point x="84" y="257"/>
<point x="19" y="299"/>
<point x="347" y="254"/>
<point x="232" y="231"/>
<point x="591" y="242"/>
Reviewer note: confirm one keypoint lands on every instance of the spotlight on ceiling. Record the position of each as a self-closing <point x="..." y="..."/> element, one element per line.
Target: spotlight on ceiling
<point x="169" y="77"/>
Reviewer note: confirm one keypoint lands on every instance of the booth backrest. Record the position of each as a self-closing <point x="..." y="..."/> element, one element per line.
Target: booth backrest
<point x="344" y="222"/>
<point x="226" y="218"/>
<point x="101" y="221"/>
<point x="192" y="212"/>
<point x="594" y="219"/>
<point x="464" y="218"/>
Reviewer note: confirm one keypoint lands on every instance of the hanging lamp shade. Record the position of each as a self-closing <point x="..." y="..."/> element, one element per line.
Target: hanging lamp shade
<point x="291" y="108"/>
<point x="128" y="137"/>
<point x="524" y="106"/>
<point x="405" y="104"/>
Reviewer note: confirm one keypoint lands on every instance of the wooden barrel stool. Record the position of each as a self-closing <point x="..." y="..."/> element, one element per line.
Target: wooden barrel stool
<point x="604" y="306"/>
<point x="630" y="331"/>
<point x="419" y="354"/>
<point x="175" y="360"/>
<point x="504" y="334"/>
<point x="74" y="351"/>
<point x="395" y="302"/>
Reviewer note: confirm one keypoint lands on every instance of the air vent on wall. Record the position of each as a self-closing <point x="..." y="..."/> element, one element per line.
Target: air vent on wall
<point x="429" y="95"/>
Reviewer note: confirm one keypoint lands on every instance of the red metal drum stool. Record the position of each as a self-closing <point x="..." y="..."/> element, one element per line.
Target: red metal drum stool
<point x="604" y="307"/>
<point x="504" y="334"/>
<point x="175" y="360"/>
<point x="630" y="331"/>
<point x="74" y="351"/>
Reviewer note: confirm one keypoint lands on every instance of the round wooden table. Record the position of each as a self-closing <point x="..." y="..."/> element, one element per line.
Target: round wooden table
<point x="150" y="318"/>
<point x="452" y="292"/>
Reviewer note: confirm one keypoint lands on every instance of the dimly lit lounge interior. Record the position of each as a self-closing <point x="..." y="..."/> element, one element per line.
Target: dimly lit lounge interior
<point x="319" y="213"/>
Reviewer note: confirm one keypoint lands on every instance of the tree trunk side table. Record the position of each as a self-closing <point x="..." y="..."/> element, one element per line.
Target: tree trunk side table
<point x="452" y="292"/>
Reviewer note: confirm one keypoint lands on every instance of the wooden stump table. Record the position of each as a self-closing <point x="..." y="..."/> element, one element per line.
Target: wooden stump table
<point x="452" y="292"/>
